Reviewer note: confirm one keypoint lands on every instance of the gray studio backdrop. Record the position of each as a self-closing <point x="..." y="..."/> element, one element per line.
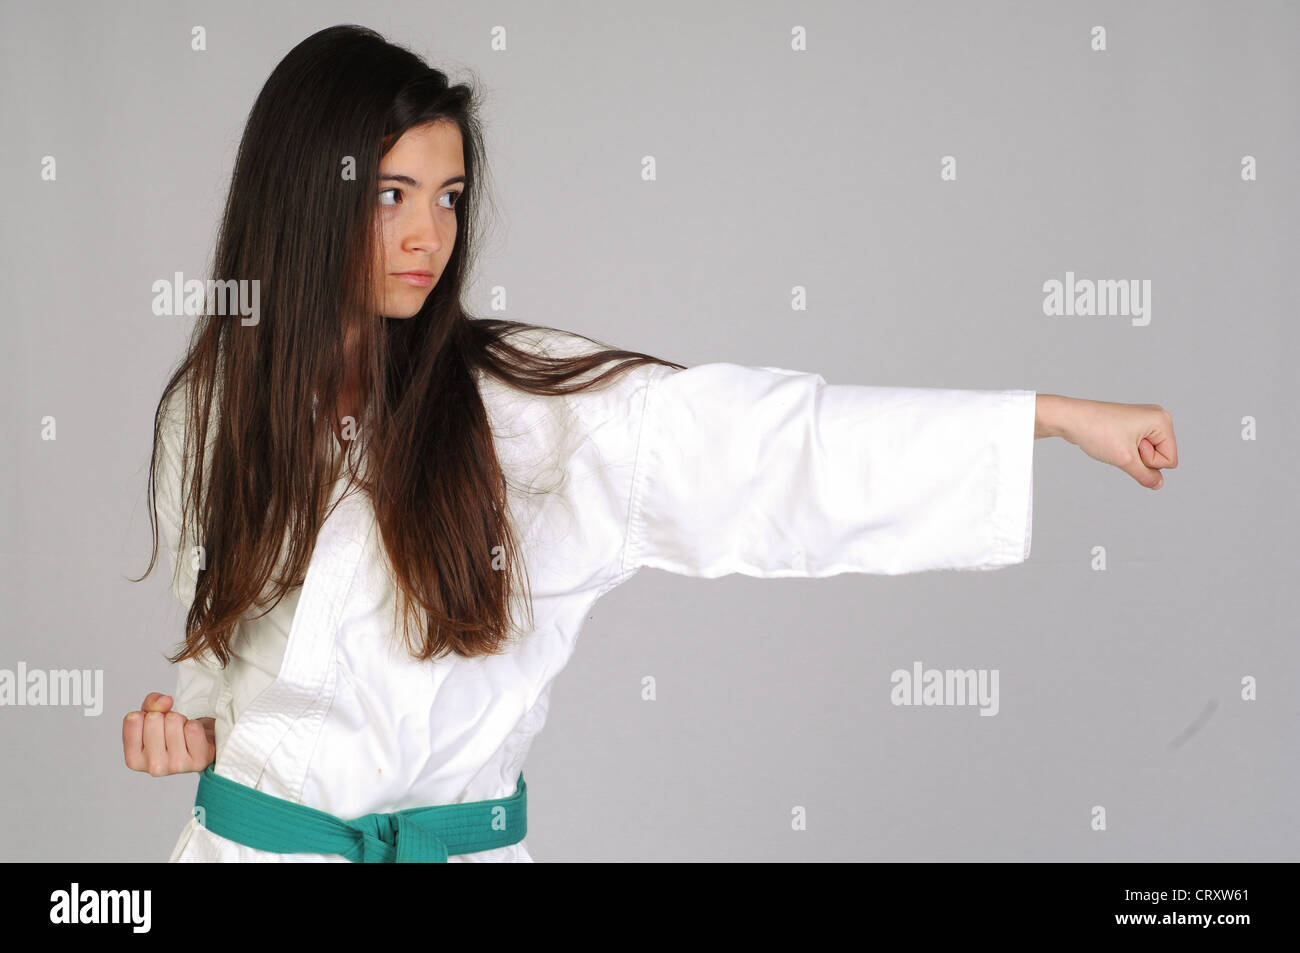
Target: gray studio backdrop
<point x="806" y="145"/>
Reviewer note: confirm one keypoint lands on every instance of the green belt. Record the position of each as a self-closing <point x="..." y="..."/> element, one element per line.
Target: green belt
<point x="417" y="835"/>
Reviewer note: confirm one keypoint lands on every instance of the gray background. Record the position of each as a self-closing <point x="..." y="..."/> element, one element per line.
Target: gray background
<point x="775" y="169"/>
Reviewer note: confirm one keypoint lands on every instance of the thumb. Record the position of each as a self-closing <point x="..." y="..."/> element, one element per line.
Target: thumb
<point x="1139" y="469"/>
<point x="156" y="702"/>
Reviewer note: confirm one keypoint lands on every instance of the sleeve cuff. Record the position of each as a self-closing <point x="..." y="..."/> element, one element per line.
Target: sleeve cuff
<point x="197" y="686"/>
<point x="1013" y="509"/>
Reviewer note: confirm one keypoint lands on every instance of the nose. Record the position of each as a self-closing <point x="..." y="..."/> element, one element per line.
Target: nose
<point x="422" y="233"/>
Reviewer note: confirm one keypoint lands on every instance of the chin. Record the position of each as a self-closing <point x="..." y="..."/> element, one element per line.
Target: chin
<point x="401" y="312"/>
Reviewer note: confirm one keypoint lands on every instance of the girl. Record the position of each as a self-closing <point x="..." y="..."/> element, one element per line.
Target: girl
<point x="363" y="484"/>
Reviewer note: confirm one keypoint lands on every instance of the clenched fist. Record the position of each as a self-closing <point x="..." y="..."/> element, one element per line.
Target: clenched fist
<point x="1136" y="438"/>
<point x="161" y="741"/>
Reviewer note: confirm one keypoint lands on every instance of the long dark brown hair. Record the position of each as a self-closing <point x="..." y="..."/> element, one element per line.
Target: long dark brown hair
<point x="307" y="234"/>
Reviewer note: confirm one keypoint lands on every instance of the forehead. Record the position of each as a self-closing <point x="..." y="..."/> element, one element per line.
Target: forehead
<point x="435" y="146"/>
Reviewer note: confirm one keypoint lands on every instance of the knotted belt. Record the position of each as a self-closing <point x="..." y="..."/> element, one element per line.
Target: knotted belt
<point x="417" y="835"/>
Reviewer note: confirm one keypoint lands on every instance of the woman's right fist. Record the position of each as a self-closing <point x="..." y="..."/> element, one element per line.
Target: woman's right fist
<point x="161" y="741"/>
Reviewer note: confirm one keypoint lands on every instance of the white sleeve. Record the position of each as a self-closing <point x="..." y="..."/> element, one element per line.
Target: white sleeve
<point x="769" y="472"/>
<point x="198" y="683"/>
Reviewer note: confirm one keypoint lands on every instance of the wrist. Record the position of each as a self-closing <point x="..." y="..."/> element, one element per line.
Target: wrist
<point x="1051" y="416"/>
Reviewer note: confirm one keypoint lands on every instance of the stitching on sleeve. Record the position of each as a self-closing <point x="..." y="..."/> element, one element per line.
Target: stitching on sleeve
<point x="633" y="535"/>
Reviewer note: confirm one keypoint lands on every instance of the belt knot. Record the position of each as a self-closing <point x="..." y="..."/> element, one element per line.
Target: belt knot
<point x="398" y="838"/>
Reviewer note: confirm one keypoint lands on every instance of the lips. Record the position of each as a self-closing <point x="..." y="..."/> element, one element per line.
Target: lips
<point x="420" y="279"/>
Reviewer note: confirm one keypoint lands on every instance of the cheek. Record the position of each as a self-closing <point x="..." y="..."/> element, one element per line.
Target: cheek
<point x="385" y="237"/>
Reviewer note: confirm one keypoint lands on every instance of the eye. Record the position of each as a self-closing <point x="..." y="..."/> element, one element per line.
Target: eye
<point x="394" y="192"/>
<point x="455" y="194"/>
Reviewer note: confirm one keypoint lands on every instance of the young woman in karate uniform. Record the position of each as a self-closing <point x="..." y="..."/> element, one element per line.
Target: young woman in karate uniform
<point x="419" y="464"/>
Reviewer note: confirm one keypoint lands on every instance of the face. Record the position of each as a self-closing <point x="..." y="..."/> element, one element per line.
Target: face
<point x="420" y="181"/>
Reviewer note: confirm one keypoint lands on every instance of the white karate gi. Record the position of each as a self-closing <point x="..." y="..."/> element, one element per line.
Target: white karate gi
<point x="716" y="469"/>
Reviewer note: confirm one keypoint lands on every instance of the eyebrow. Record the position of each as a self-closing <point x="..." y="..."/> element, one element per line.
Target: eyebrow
<point x="407" y="180"/>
